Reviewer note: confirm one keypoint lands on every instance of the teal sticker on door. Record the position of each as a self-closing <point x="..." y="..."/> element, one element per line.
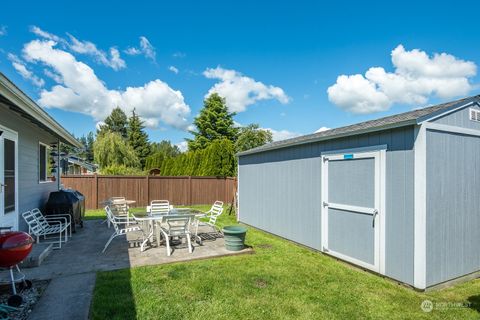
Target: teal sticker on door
<point x="348" y="156"/>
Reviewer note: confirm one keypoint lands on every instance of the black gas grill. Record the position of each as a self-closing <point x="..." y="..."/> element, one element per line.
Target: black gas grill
<point x="69" y="202"/>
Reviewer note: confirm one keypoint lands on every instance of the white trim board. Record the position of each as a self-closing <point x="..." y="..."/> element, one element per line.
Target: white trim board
<point x="380" y="163"/>
<point x="356" y="150"/>
<point x="420" y="208"/>
<point x="451" y="129"/>
<point x="432" y="117"/>
<point x="11" y="134"/>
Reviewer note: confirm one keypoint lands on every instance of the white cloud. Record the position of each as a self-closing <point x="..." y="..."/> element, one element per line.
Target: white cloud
<point x="183" y="146"/>
<point x="282" y="134"/>
<point x="47" y="35"/>
<point x="416" y="77"/>
<point x="78" y="89"/>
<point x="173" y="69"/>
<point x="322" y="129"/>
<point x="146" y="49"/>
<point x="179" y="54"/>
<point x="21" y="68"/>
<point x="86" y="47"/>
<point x="241" y="91"/>
<point x="3" y="30"/>
<point x="132" y="51"/>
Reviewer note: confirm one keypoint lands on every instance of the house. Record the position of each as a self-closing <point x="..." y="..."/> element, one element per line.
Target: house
<point x="28" y="137"/>
<point x="77" y="166"/>
<point x="397" y="195"/>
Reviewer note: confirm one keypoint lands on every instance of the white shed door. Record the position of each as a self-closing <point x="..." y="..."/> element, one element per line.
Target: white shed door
<point x="351" y="210"/>
<point x="8" y="179"/>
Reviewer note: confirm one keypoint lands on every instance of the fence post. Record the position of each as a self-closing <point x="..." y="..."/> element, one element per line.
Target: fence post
<point x="95" y="188"/>
<point x="189" y="190"/>
<point x="225" y="189"/>
<point x="147" y="190"/>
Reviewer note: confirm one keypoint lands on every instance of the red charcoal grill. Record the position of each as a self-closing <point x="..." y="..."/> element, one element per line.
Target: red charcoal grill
<point x="14" y="248"/>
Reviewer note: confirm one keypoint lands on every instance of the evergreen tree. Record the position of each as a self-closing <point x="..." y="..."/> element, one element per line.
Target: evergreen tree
<point x="219" y="159"/>
<point x="214" y="122"/>
<point x="138" y="138"/>
<point x="111" y="149"/>
<point x="87" y="141"/>
<point x="116" y="122"/>
<point x="89" y="147"/>
<point x="166" y="148"/>
<point x="252" y="136"/>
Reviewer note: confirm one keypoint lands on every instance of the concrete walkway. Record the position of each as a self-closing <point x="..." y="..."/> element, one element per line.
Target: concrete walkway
<point x="72" y="269"/>
<point x="66" y="298"/>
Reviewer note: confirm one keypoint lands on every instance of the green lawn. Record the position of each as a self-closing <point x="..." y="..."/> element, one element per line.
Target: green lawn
<point x="100" y="213"/>
<point x="280" y="281"/>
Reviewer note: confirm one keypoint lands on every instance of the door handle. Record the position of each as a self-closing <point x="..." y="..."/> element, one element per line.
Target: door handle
<point x="2" y="186"/>
<point x="375" y="213"/>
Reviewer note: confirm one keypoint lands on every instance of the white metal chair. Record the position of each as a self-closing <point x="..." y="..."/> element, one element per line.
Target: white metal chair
<point x="215" y="211"/>
<point x="159" y="207"/>
<point x="177" y="226"/>
<point x="41" y="226"/>
<point x="119" y="208"/>
<point x="119" y="225"/>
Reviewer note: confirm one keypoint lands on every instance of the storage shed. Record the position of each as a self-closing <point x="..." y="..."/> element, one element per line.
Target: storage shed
<point x="398" y="195"/>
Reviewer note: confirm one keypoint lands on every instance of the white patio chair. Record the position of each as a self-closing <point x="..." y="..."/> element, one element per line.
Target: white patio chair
<point x="119" y="225"/>
<point x="41" y="226"/>
<point x="177" y="226"/>
<point x="119" y="208"/>
<point x="159" y="207"/>
<point x="215" y="211"/>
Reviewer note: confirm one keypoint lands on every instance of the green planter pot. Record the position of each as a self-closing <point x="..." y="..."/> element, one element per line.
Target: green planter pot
<point x="234" y="237"/>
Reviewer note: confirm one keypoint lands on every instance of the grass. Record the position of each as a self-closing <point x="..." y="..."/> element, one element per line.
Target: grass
<point x="100" y="213"/>
<point x="280" y="281"/>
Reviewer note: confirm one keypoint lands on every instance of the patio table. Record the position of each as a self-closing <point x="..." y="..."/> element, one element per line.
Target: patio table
<point x="108" y="201"/>
<point x="151" y="222"/>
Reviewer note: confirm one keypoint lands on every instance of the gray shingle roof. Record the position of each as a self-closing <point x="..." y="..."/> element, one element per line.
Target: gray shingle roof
<point x="394" y="121"/>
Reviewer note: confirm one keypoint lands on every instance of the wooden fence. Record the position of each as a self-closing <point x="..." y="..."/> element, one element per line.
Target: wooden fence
<point x="143" y="189"/>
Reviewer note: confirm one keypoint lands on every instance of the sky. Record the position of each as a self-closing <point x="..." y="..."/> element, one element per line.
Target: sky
<point x="293" y="67"/>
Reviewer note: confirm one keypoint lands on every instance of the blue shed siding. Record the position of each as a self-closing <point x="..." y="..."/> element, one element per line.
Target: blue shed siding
<point x="31" y="193"/>
<point x="280" y="192"/>
<point x="453" y="205"/>
<point x="460" y="118"/>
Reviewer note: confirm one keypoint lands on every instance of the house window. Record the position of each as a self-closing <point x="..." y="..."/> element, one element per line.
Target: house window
<point x="475" y="115"/>
<point x="45" y="163"/>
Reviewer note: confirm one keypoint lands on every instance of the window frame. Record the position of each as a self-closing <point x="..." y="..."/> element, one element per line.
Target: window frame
<point x="47" y="150"/>
<point x="474" y="115"/>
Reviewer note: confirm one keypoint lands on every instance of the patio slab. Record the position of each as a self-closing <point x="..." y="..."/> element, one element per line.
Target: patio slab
<point x="72" y="269"/>
<point x="83" y="253"/>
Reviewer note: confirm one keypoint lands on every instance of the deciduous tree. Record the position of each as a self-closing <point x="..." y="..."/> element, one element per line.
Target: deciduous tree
<point x="252" y="136"/>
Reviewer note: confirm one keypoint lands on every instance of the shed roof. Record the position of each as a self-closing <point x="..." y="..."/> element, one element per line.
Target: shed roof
<point x="398" y="120"/>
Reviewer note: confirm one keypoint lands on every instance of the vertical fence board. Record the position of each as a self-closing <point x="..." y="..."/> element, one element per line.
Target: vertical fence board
<point x="178" y="190"/>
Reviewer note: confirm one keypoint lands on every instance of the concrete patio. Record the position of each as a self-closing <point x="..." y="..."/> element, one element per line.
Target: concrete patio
<point x="72" y="269"/>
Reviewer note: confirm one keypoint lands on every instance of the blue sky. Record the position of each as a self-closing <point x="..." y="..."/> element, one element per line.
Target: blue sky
<point x="274" y="61"/>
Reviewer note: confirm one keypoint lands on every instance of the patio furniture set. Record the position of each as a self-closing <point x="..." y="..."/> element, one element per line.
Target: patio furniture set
<point x="160" y="223"/>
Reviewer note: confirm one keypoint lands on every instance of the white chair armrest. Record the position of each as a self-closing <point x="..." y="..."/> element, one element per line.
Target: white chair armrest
<point x="62" y="220"/>
<point x="66" y="216"/>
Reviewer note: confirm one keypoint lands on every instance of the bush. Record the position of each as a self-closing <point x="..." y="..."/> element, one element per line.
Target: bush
<point x="121" y="170"/>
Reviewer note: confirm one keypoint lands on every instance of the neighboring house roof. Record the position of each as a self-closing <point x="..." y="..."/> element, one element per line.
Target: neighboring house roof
<point x="19" y="102"/>
<point x="399" y="120"/>
<point x="82" y="163"/>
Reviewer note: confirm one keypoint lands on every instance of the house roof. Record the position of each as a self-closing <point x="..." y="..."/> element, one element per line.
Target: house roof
<point x="19" y="102"/>
<point x="82" y="163"/>
<point x="398" y="120"/>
